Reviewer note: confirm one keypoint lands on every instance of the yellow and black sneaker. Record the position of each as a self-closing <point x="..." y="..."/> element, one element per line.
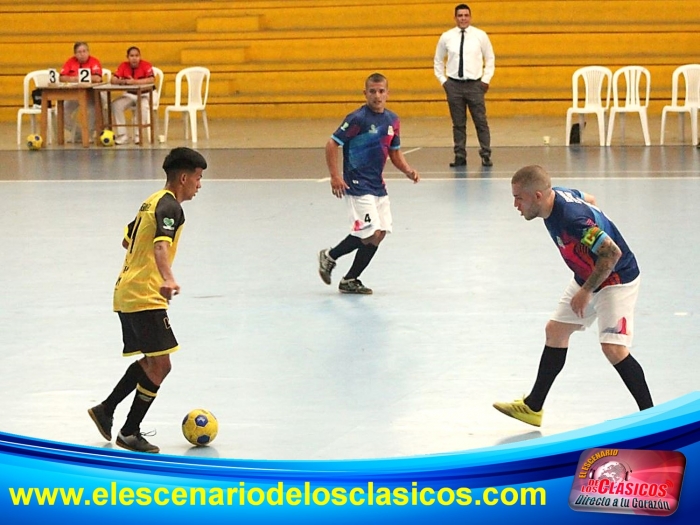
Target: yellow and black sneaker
<point x="519" y="410"/>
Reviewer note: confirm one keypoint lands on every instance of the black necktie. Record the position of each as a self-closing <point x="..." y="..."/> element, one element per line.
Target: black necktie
<point x="460" y="72"/>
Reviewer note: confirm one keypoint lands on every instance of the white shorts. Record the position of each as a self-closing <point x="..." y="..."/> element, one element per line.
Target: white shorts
<point x="368" y="214"/>
<point x="613" y="306"/>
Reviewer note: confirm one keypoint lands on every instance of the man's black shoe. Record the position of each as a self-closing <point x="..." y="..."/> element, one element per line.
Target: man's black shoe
<point x="459" y="161"/>
<point x="486" y="161"/>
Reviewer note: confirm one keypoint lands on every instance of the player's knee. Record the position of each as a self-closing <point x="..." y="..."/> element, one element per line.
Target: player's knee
<point x="377" y="237"/>
<point x="158" y="368"/>
<point x="165" y="367"/>
<point x="614" y="353"/>
<point x="557" y="334"/>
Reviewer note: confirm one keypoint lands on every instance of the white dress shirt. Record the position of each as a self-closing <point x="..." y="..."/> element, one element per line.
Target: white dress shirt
<point x="479" y="60"/>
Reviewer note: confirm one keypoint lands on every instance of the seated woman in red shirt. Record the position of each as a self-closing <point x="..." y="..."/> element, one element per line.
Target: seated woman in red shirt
<point x="133" y="71"/>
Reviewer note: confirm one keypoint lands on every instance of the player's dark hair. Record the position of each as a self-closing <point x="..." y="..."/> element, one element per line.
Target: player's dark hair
<point x="182" y="159"/>
<point x="131" y="49"/>
<point x="462" y="6"/>
<point x="375" y="78"/>
<point x="78" y="44"/>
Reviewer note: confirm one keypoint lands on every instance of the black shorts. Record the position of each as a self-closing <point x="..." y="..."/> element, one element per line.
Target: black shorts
<point x="147" y="332"/>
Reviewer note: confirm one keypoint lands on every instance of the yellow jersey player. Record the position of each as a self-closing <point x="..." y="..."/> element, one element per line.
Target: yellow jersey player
<point x="143" y="290"/>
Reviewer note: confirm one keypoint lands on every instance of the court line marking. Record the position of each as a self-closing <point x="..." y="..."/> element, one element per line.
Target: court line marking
<point x="556" y="179"/>
<point x="455" y="178"/>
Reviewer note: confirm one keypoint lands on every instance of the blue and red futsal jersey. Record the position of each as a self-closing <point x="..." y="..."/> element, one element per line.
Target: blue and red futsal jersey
<point x="366" y="138"/>
<point x="578" y="229"/>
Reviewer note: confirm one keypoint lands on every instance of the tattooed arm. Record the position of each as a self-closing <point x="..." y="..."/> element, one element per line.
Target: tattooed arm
<point x="608" y="254"/>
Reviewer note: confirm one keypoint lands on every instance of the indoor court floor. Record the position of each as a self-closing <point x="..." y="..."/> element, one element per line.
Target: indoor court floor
<point x="294" y="370"/>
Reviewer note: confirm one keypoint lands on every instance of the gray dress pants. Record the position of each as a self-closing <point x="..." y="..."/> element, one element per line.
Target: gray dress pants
<point x="460" y="96"/>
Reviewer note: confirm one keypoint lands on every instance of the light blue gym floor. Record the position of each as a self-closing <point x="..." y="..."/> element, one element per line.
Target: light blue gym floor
<point x="293" y="369"/>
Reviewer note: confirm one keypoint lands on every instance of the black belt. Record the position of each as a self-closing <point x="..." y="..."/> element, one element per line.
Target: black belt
<point x="463" y="81"/>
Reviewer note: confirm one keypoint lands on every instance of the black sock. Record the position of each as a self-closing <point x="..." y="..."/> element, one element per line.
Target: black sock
<point x="146" y="392"/>
<point x="124" y="387"/>
<point x="632" y="374"/>
<point x="362" y="259"/>
<point x="551" y="363"/>
<point x="347" y="245"/>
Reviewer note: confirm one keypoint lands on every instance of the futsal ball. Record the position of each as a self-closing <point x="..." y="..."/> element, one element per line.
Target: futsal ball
<point x="34" y="141"/>
<point x="107" y="137"/>
<point x="200" y="427"/>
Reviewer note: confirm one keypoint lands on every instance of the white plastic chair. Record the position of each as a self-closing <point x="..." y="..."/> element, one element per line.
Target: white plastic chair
<point x="691" y="102"/>
<point x="159" y="76"/>
<point x="37" y="79"/>
<point x="633" y="103"/>
<point x="197" y="92"/>
<point x="595" y="79"/>
<point x="106" y="79"/>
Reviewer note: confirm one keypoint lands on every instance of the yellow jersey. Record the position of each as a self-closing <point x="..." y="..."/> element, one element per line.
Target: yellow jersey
<point x="160" y="218"/>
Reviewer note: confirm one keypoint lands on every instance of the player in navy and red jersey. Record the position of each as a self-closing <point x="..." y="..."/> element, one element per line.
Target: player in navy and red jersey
<point x="368" y="136"/>
<point x="605" y="286"/>
<point x="578" y="229"/>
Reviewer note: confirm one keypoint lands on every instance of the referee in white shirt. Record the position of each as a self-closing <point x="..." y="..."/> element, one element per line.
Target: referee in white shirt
<point x="465" y="78"/>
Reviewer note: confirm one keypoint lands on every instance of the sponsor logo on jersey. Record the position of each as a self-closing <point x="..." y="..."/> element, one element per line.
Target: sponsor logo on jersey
<point x="168" y="223"/>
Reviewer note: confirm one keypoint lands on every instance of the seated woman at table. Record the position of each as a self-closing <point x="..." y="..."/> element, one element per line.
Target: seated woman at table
<point x="81" y="59"/>
<point x="133" y="71"/>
